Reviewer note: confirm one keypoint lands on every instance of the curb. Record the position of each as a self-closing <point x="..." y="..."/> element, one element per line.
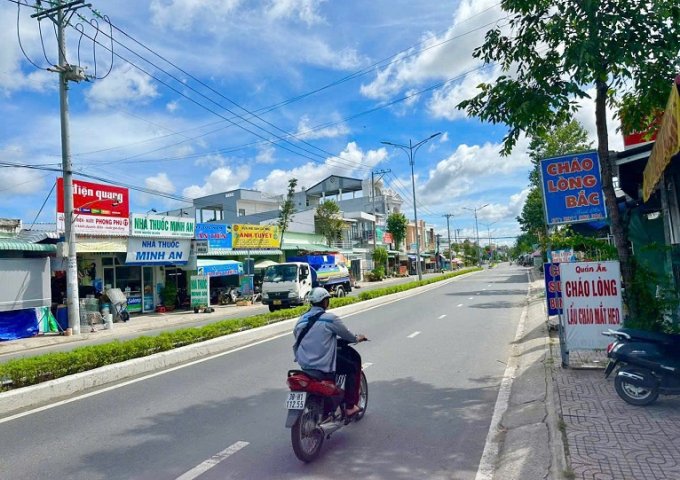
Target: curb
<point x="61" y="388"/>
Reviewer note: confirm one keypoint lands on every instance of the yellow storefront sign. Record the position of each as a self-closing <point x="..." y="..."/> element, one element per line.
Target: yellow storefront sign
<point x="255" y="236"/>
<point x="667" y="144"/>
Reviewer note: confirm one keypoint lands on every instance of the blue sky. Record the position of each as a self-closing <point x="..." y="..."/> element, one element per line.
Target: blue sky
<point x="332" y="79"/>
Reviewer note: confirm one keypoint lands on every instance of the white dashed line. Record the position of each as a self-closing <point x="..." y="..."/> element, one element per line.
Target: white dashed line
<point x="471" y="298"/>
<point x="414" y="334"/>
<point x="212" y="461"/>
<point x="460" y="304"/>
<point x="366" y="365"/>
<point x="441" y="316"/>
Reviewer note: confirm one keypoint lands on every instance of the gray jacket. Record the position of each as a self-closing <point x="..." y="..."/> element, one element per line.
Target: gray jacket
<point x="318" y="348"/>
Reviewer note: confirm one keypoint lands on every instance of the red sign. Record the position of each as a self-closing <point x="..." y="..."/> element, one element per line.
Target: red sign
<point x="98" y="209"/>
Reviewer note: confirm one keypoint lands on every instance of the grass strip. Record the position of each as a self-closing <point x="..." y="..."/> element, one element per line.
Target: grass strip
<point x="23" y="372"/>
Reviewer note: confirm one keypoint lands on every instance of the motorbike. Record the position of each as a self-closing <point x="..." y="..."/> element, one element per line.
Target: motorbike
<point x="647" y="364"/>
<point x="316" y="408"/>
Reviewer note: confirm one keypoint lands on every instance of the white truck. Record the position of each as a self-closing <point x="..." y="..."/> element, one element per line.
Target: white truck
<point x="288" y="284"/>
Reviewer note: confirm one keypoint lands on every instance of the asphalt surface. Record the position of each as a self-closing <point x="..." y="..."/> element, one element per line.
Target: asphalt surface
<point x="434" y="365"/>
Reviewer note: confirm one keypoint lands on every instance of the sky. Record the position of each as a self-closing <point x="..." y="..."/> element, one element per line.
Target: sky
<point x="206" y="96"/>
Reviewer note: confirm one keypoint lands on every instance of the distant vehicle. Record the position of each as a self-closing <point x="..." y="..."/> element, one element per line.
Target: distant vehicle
<point x="288" y="284"/>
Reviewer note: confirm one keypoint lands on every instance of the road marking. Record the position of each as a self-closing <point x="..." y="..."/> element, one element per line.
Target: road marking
<point x="366" y="365"/>
<point x="460" y="304"/>
<point x="478" y="293"/>
<point x="414" y="334"/>
<point x="492" y="447"/>
<point x="212" y="461"/>
<point x="471" y="298"/>
<point x="441" y="316"/>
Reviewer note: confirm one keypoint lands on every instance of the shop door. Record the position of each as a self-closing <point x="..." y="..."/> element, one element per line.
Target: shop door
<point x="148" y="301"/>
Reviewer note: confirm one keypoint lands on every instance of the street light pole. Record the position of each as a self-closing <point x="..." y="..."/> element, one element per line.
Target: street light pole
<point x="448" y="230"/>
<point x="479" y="250"/>
<point x="488" y="232"/>
<point x="411" y="150"/>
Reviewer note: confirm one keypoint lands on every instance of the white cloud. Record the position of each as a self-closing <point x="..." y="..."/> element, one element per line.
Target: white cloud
<point x="172" y="106"/>
<point x="20" y="181"/>
<point x="184" y="14"/>
<point x="306" y="131"/>
<point x="160" y="182"/>
<point x="496" y="212"/>
<point x="219" y="180"/>
<point x="586" y="116"/>
<point x="443" y="102"/>
<point x="266" y="155"/>
<point x="122" y="86"/>
<point x="437" y="57"/>
<point x="212" y="161"/>
<point x="472" y="166"/>
<point x="303" y="10"/>
<point x="352" y="161"/>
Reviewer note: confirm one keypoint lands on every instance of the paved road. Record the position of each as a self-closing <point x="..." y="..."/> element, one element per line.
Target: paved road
<point x="434" y="366"/>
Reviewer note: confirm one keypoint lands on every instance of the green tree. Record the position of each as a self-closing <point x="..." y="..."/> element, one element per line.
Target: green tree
<point x="379" y="256"/>
<point x="396" y="225"/>
<point x="329" y="221"/>
<point x="287" y="209"/>
<point x="563" y="139"/>
<point x="556" y="51"/>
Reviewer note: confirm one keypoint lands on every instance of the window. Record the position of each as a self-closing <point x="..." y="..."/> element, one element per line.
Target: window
<point x="241" y="212"/>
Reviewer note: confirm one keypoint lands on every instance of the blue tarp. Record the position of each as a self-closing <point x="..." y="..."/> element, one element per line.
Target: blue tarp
<point x="17" y="324"/>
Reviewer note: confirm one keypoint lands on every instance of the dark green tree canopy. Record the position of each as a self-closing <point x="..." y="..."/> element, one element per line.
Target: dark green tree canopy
<point x="328" y="220"/>
<point x="396" y="225"/>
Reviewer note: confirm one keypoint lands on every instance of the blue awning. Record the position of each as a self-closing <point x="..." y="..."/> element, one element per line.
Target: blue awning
<point x="218" y="268"/>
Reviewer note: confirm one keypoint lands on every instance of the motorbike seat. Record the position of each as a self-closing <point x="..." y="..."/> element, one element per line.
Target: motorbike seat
<point x="656" y="337"/>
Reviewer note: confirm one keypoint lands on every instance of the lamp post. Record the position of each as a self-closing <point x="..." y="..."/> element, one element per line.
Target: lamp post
<point x="411" y="150"/>
<point x="479" y="251"/>
<point x="72" y="296"/>
<point x="488" y="232"/>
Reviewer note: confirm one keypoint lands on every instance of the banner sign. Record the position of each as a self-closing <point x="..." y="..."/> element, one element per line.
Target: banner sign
<point x="255" y="236"/>
<point x="97" y="209"/>
<point x="572" y="189"/>
<point x="562" y="256"/>
<point x="553" y="288"/>
<point x="667" y="144"/>
<point x="218" y="235"/>
<point x="161" y="226"/>
<point x="387" y="238"/>
<point x="221" y="268"/>
<point x="151" y="251"/>
<point x="200" y="291"/>
<point x="591" y="294"/>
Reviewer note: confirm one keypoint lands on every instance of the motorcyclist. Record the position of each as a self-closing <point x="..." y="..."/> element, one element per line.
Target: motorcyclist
<point x="318" y="350"/>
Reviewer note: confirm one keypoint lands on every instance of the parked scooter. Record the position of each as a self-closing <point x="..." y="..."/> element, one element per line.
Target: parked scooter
<point x="316" y="409"/>
<point x="648" y="364"/>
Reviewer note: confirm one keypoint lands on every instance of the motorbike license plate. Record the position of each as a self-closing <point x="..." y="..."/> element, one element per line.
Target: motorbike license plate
<point x="296" y="400"/>
<point x="277" y="302"/>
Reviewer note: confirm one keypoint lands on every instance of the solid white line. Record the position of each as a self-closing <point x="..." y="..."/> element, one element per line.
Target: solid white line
<point x="441" y="316"/>
<point x="366" y="365"/>
<point x="492" y="446"/>
<point x="414" y="334"/>
<point x="460" y="304"/>
<point x="212" y="461"/>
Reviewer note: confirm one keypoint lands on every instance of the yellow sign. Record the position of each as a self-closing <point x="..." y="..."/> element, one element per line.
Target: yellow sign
<point x="667" y="144"/>
<point x="255" y="236"/>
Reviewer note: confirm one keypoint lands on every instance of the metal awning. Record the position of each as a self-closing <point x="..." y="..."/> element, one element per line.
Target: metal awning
<point x="227" y="252"/>
<point x="101" y="245"/>
<point x="311" y="247"/>
<point x="12" y="244"/>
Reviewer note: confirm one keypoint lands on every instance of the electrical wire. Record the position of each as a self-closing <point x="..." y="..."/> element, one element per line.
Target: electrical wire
<point x="43" y="205"/>
<point x="21" y="46"/>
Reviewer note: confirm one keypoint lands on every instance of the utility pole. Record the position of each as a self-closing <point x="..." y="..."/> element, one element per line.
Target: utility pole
<point x="448" y="229"/>
<point x="479" y="248"/>
<point x="438" y="236"/>
<point x="379" y="172"/>
<point x="60" y="16"/>
<point x="411" y="150"/>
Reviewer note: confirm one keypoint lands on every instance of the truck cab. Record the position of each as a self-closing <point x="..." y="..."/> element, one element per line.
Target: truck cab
<point x="287" y="284"/>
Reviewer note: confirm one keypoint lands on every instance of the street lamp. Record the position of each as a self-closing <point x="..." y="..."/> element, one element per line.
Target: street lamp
<point x="73" y="300"/>
<point x="479" y="251"/>
<point x="488" y="232"/>
<point x="411" y="150"/>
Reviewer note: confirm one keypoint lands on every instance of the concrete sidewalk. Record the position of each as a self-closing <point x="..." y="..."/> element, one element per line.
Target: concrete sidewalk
<point x="568" y="423"/>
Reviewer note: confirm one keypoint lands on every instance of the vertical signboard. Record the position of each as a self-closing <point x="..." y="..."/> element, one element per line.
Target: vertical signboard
<point x="200" y="291"/>
<point x="572" y="189"/>
<point x="591" y="294"/>
<point x="97" y="209"/>
<point x="553" y="288"/>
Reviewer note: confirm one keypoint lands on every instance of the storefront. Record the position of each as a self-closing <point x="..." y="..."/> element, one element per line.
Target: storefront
<point x="156" y="250"/>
